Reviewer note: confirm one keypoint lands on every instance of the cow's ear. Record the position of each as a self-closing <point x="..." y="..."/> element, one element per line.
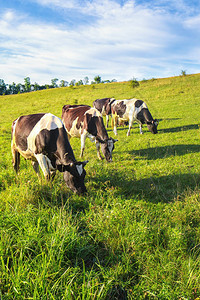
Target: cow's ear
<point x="85" y="162"/>
<point x="70" y="165"/>
<point x="156" y="122"/>
<point x="114" y="140"/>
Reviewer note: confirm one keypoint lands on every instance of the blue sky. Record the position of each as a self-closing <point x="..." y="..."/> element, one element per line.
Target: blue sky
<point x="116" y="39"/>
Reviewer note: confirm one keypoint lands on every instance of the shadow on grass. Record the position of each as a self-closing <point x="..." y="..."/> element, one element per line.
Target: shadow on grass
<point x="169" y="119"/>
<point x="153" y="189"/>
<point x="166" y="151"/>
<point x="179" y="128"/>
<point x="164" y="130"/>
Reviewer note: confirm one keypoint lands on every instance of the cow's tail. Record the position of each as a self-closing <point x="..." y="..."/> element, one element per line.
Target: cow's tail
<point x="15" y="153"/>
<point x="114" y="120"/>
<point x="15" y="157"/>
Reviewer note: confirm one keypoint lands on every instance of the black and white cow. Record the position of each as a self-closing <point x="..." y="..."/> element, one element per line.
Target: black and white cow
<point x="42" y="138"/>
<point x="132" y="110"/>
<point x="104" y="107"/>
<point x="83" y="121"/>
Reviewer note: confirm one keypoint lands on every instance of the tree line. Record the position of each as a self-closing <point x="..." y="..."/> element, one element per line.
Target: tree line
<point x="27" y="86"/>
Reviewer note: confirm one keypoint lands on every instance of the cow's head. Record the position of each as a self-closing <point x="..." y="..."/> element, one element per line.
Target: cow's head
<point x="152" y="126"/>
<point x="74" y="175"/>
<point x="107" y="147"/>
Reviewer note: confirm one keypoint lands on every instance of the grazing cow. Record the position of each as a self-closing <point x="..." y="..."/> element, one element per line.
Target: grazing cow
<point x="42" y="138"/>
<point x="84" y="121"/>
<point x="132" y="110"/>
<point x="104" y="107"/>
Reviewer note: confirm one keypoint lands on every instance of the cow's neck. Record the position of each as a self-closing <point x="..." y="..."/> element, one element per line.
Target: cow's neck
<point x="64" y="150"/>
<point x="147" y="115"/>
<point x="101" y="132"/>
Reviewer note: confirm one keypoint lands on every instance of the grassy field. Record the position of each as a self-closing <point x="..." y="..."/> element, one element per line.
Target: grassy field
<point x="136" y="234"/>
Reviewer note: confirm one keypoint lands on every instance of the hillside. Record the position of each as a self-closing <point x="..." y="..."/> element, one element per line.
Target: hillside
<point x="136" y="234"/>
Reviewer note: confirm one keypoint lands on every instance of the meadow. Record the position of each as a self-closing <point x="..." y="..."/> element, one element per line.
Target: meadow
<point x="136" y="233"/>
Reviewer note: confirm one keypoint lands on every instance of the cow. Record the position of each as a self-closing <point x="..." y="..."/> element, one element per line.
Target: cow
<point x="132" y="110"/>
<point x="42" y="138"/>
<point x="104" y="107"/>
<point x="83" y="121"/>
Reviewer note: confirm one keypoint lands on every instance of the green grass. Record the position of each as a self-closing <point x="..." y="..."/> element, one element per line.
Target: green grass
<point x="136" y="234"/>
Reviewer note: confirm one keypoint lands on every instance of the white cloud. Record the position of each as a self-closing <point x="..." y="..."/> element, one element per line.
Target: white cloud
<point x="193" y="22"/>
<point x="57" y="3"/>
<point x="122" y="42"/>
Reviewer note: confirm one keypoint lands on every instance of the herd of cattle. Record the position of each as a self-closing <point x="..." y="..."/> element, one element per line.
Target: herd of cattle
<point x="44" y="138"/>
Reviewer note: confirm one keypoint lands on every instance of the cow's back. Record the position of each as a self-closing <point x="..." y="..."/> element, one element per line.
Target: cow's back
<point x="73" y="116"/>
<point x="127" y="108"/>
<point x="33" y="134"/>
<point x="21" y="129"/>
<point x="77" y="117"/>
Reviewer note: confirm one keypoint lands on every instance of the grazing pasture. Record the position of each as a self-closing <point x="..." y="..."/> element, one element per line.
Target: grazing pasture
<point x="136" y="234"/>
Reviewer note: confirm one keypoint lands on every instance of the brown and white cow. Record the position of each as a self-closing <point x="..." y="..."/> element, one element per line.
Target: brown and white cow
<point x="83" y="121"/>
<point x="42" y="138"/>
<point x="104" y="107"/>
<point x="132" y="110"/>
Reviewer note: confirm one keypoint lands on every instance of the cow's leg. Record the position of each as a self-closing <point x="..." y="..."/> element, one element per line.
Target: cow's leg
<point x="107" y="120"/>
<point x="129" y="128"/>
<point x="141" y="132"/>
<point x="98" y="150"/>
<point x="83" y="138"/>
<point x="43" y="165"/>
<point x="15" y="159"/>
<point x="114" y="124"/>
<point x="35" y="165"/>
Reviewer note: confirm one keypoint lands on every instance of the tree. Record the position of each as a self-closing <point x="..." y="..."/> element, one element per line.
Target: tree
<point x="12" y="88"/>
<point x="54" y="82"/>
<point x="97" y="79"/>
<point x="18" y="88"/>
<point x="64" y="83"/>
<point x="27" y="84"/>
<point x="86" y="80"/>
<point x="80" y="82"/>
<point x="106" y="81"/>
<point x="36" y="86"/>
<point x="2" y="87"/>
<point x="72" y="83"/>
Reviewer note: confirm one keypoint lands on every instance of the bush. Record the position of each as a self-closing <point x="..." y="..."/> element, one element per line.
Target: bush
<point x="134" y="83"/>
<point x="183" y="73"/>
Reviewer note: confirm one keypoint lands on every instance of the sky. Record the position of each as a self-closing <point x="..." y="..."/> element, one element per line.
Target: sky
<point x="115" y="39"/>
